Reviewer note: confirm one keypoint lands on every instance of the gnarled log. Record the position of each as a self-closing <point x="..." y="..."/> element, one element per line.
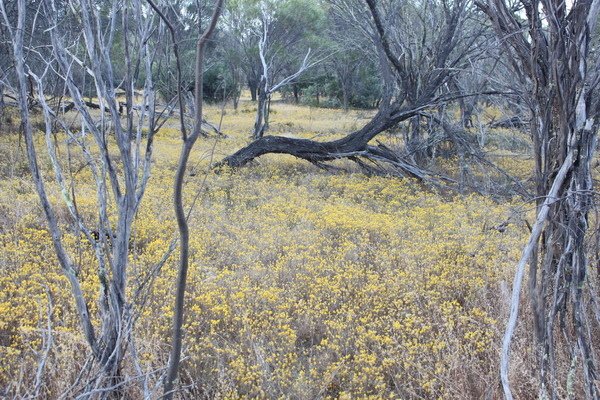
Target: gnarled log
<point x="353" y="145"/>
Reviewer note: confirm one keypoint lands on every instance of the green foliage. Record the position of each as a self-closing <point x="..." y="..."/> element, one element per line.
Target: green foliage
<point x="220" y="83"/>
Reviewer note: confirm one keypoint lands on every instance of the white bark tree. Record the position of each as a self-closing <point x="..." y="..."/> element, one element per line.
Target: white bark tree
<point x="267" y="86"/>
<point x="116" y="141"/>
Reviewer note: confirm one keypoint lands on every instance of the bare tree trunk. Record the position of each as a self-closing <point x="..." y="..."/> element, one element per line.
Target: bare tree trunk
<point x="296" y="91"/>
<point x="415" y="145"/>
<point x="253" y="86"/>
<point x="564" y="125"/>
<point x="261" y="123"/>
<point x="182" y="223"/>
<point x="108" y="339"/>
<point x="236" y="91"/>
<point x="2" y="105"/>
<point x="345" y="100"/>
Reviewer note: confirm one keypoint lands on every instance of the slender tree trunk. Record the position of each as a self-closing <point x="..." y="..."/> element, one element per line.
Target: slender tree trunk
<point x="415" y="142"/>
<point x="184" y="245"/>
<point x="344" y="97"/>
<point x="253" y="86"/>
<point x="1" y="102"/>
<point x="182" y="222"/>
<point x="236" y="101"/>
<point x="466" y="113"/>
<point x="260" y="124"/>
<point x="2" y="106"/>
<point x="296" y="91"/>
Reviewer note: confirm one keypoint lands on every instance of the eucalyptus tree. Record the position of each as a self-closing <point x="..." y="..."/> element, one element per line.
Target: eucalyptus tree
<point x="240" y="47"/>
<point x="116" y="143"/>
<point x="267" y="85"/>
<point x="551" y="45"/>
<point x="354" y="61"/>
<point x="225" y="79"/>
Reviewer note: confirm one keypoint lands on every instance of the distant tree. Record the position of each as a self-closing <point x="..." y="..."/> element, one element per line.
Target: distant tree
<point x="241" y="36"/>
<point x="230" y="78"/>
<point x="354" y="61"/>
<point x="222" y="82"/>
<point x="268" y="85"/>
<point x="270" y="41"/>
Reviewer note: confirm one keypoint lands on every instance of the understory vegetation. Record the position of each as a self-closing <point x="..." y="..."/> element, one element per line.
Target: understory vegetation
<point x="304" y="282"/>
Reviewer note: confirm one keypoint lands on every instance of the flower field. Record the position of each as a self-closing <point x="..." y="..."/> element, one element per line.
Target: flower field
<point x="304" y="283"/>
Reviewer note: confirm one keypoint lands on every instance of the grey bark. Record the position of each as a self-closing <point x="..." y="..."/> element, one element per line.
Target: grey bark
<point x="109" y="338"/>
<point x="565" y="116"/>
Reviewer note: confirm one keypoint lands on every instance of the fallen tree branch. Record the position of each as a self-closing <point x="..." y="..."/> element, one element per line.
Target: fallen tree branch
<point x="516" y="122"/>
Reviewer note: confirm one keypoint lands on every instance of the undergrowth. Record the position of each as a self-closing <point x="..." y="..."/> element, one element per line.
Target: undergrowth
<point x="304" y="283"/>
